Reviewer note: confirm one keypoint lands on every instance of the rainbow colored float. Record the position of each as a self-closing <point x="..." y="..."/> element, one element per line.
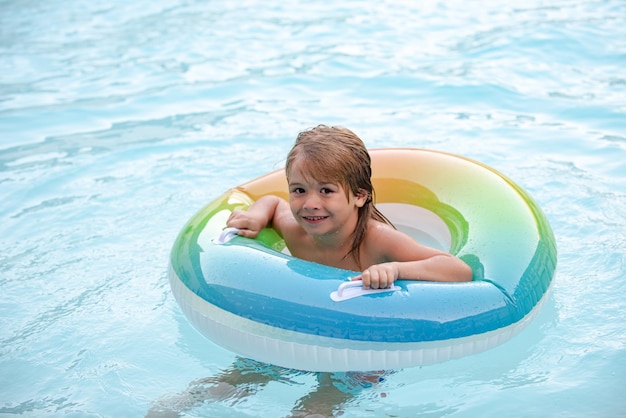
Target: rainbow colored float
<point x="253" y="299"/>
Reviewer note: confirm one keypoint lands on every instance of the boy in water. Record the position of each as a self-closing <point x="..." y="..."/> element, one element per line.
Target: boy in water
<point x="331" y="218"/>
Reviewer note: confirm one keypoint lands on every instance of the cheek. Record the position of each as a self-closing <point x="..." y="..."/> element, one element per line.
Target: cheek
<point x="294" y="204"/>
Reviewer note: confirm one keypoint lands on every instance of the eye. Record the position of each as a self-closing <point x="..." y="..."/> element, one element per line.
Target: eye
<point x="297" y="190"/>
<point x="326" y="190"/>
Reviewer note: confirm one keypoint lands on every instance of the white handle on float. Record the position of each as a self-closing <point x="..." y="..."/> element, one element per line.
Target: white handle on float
<point x="226" y="235"/>
<point x="354" y="288"/>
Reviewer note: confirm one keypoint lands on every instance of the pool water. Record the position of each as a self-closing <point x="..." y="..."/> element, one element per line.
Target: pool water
<point x="119" y="120"/>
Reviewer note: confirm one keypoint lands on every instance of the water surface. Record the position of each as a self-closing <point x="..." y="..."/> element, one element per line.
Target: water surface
<point x="120" y="119"/>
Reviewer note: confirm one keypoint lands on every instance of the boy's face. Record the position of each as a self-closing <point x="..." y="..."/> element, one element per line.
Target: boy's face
<point x="322" y="208"/>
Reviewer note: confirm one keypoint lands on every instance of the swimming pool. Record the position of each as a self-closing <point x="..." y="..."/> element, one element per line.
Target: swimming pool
<point x="120" y="119"/>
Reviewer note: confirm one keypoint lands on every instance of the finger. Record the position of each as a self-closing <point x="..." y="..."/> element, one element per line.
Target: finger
<point x="382" y="279"/>
<point x="385" y="283"/>
<point x="389" y="278"/>
<point x="237" y="223"/>
<point x="365" y="277"/>
<point x="245" y="233"/>
<point x="374" y="279"/>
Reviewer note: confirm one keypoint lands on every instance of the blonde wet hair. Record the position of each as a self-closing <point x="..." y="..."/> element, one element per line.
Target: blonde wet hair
<point x="333" y="154"/>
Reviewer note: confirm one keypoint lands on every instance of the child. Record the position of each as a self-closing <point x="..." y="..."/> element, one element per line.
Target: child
<point x="331" y="218"/>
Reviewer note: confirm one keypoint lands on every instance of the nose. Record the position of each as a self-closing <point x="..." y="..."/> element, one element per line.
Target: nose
<point x="311" y="202"/>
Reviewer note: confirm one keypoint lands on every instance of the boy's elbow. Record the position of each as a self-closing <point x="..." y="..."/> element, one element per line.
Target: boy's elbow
<point x="465" y="274"/>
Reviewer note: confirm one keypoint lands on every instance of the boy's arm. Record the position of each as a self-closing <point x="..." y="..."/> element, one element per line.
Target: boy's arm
<point x="438" y="268"/>
<point x="409" y="260"/>
<point x="258" y="216"/>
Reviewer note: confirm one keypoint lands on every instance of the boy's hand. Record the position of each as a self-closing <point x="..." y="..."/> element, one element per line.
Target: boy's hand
<point x="249" y="226"/>
<point x="379" y="276"/>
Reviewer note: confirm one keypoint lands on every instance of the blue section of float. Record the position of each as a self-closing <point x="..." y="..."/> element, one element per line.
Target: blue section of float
<point x="287" y="293"/>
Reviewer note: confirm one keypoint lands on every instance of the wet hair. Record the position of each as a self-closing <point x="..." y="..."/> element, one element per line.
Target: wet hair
<point x="337" y="155"/>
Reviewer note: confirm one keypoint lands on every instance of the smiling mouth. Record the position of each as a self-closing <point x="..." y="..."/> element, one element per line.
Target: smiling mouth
<point x="314" y="218"/>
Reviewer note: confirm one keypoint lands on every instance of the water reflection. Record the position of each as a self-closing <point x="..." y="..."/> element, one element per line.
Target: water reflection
<point x="245" y="377"/>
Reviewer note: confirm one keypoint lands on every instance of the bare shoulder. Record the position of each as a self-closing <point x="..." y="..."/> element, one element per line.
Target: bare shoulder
<point x="379" y="233"/>
<point x="389" y="244"/>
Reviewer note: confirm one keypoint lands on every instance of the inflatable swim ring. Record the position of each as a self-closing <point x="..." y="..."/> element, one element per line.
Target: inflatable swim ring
<point x="252" y="298"/>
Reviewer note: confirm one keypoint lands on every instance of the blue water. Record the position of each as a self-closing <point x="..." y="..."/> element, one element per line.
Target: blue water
<point x="119" y="119"/>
